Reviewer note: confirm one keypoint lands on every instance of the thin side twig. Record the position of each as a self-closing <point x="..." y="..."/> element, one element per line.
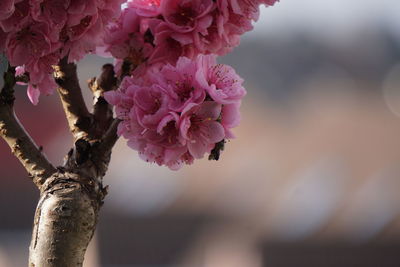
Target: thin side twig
<point x="102" y="111"/>
<point x="21" y="144"/>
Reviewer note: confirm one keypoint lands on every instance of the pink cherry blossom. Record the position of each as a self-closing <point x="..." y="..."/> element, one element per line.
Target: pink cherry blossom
<point x="176" y="113"/>
<point x="33" y="94"/>
<point x="30" y="43"/>
<point x="85" y="27"/>
<point x="166" y="48"/>
<point x="177" y="103"/>
<point x="146" y="8"/>
<point x="269" y="2"/>
<point x="148" y="124"/>
<point x="221" y="81"/>
<point x="186" y="16"/>
<point x="164" y="138"/>
<point x="52" y="12"/>
<point x="18" y="18"/>
<point x="153" y="31"/>
<point x="40" y="75"/>
<point x="127" y="40"/>
<point x="20" y="70"/>
<point x="181" y="84"/>
<point x="230" y="118"/>
<point x="232" y="18"/>
<point x="249" y="8"/>
<point x="151" y="105"/>
<point x="36" y="34"/>
<point x="199" y="128"/>
<point x="6" y="8"/>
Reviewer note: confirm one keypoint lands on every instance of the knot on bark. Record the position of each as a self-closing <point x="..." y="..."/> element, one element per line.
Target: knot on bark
<point x="88" y="158"/>
<point x="64" y="181"/>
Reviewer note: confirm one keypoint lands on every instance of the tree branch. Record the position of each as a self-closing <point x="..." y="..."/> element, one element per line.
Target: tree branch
<point x="102" y="111"/>
<point x="79" y="119"/>
<point x="106" y="125"/>
<point x="110" y="137"/>
<point x="21" y="144"/>
<point x="70" y="196"/>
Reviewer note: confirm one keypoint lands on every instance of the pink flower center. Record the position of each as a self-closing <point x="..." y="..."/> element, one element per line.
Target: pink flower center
<point x="184" y="90"/>
<point x="184" y="15"/>
<point x="32" y="40"/>
<point x="156" y="106"/>
<point x="171" y="133"/>
<point x="196" y="123"/>
<point x="220" y="77"/>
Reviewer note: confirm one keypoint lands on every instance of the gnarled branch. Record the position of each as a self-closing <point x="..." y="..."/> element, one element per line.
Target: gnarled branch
<point x="21" y="144"/>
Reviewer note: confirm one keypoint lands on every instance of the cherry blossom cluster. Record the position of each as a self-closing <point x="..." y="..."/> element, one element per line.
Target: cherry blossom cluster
<point x="179" y="112"/>
<point x="153" y="31"/>
<point x="177" y="103"/>
<point x="36" y="34"/>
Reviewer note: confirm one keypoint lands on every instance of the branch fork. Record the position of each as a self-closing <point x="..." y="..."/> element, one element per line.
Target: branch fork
<point x="21" y="144"/>
<point x="71" y="195"/>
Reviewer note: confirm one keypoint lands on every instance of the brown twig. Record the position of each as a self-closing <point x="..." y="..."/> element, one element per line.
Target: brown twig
<point x="21" y="144"/>
<point x="79" y="119"/>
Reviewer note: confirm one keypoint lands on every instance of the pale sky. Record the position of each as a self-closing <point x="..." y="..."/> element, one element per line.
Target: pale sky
<point x="331" y="17"/>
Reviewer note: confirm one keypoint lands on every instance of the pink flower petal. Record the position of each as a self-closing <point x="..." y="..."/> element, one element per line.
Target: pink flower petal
<point x="33" y="94"/>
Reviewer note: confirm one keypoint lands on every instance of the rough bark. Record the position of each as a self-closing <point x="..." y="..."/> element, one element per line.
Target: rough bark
<point x="64" y="223"/>
<point x="67" y="212"/>
<point x="70" y="200"/>
<point x="70" y="195"/>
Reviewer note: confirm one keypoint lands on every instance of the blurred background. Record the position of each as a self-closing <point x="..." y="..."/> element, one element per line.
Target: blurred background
<point x="312" y="179"/>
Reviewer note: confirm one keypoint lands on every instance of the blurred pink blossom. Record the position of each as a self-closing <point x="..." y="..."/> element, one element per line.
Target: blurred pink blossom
<point x="36" y="34"/>
<point x="160" y="31"/>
